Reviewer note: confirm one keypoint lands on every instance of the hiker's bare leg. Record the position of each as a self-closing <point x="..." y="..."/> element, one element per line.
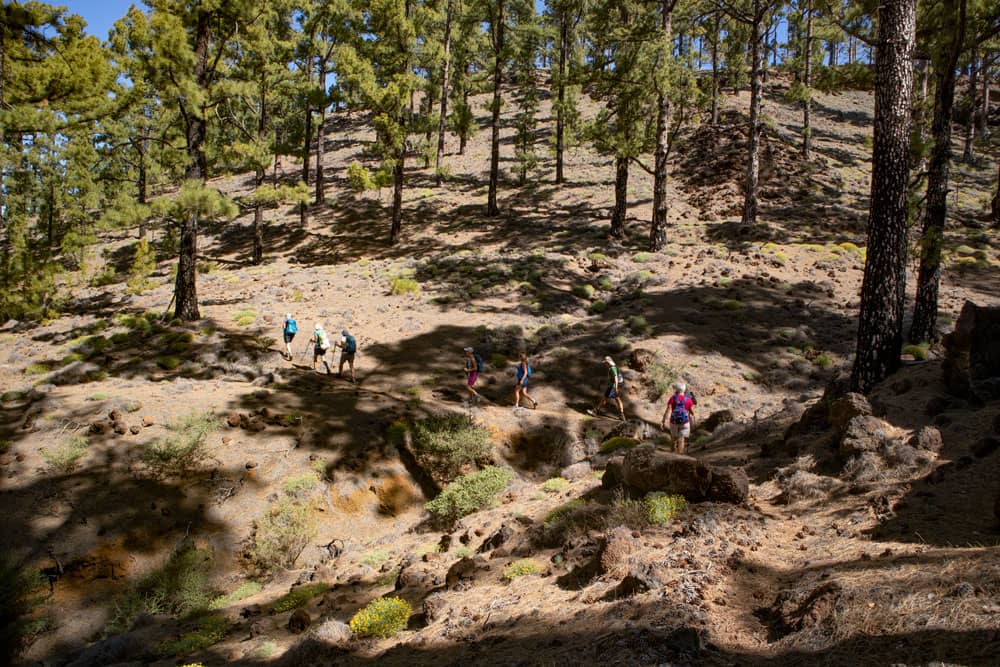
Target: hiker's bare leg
<point x="351" y="364"/>
<point x="517" y="396"/>
<point x="621" y="408"/>
<point x="534" y="403"/>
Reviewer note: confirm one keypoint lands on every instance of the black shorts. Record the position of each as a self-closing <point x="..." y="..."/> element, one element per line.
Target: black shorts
<point x="319" y="352"/>
<point x="611" y="392"/>
<point x="289" y="337"/>
<point x="347" y="356"/>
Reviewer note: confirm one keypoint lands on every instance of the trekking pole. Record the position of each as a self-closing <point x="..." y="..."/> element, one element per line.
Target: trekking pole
<point x="303" y="355"/>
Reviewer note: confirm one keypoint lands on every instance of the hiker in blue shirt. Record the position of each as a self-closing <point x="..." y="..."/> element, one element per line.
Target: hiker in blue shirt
<point x="348" y="348"/>
<point x="288" y="332"/>
<point x="521" y="387"/>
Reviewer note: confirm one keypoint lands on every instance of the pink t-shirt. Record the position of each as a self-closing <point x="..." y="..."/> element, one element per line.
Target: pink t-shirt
<point x="688" y="404"/>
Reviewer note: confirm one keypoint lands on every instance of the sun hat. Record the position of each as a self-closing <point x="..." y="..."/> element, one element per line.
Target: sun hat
<point x="680" y="386"/>
<point x="467" y="349"/>
<point x="609" y="360"/>
<point x="318" y="325"/>
<point x="344" y="332"/>
<point x="288" y="316"/>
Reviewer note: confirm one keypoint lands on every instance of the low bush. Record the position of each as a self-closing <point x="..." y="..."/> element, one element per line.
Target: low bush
<point x="568" y="521"/>
<point x="464" y="552"/>
<point x="302" y="485"/>
<point x="448" y="443"/>
<point x="618" y="442"/>
<point x="660" y="376"/>
<point x="584" y="291"/>
<point x="22" y="589"/>
<point x="401" y="286"/>
<point x="245" y="590"/>
<point x="281" y="534"/>
<point x="498" y="360"/>
<point x="639" y="326"/>
<point x="917" y="351"/>
<point x="597" y="307"/>
<point x="168" y="363"/>
<point x="642" y="257"/>
<point x="63" y="458"/>
<point x="36" y="369"/>
<point x="605" y="283"/>
<point x="374" y="559"/>
<point x="382" y="617"/>
<point x="823" y="360"/>
<point x="625" y="511"/>
<point x="555" y="485"/>
<point x="661" y="507"/>
<point x="521" y="568"/>
<point x="245" y="317"/>
<point x="298" y="597"/>
<point x="211" y="630"/>
<point x="185" y="448"/>
<point x="470" y="493"/>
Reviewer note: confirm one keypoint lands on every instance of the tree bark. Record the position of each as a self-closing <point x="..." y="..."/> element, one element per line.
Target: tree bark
<point x="750" y="203"/>
<point x="320" y="196"/>
<point x="397" y="197"/>
<point x="807" y="82"/>
<point x="498" y="43"/>
<point x="984" y="112"/>
<point x="258" y="209"/>
<point x="995" y="204"/>
<point x="621" y="198"/>
<point x="185" y="285"/>
<point x="833" y="52"/>
<point x="936" y="210"/>
<point x="444" y="92"/>
<point x="968" y="153"/>
<point x="716" y="32"/>
<point x="142" y="184"/>
<point x="883" y="289"/>
<point x="661" y="206"/>
<point x="561" y="93"/>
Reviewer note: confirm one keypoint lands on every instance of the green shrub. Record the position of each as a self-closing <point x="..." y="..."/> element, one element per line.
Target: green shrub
<point x="143" y="264"/>
<point x="618" y="442"/>
<point x="178" y="588"/>
<point x="625" y="511"/>
<point x="22" y="589"/>
<point x="318" y="466"/>
<point x="298" y="597"/>
<point x="521" y="568"/>
<point x="400" y="286"/>
<point x="185" y="448"/>
<point x="168" y="363"/>
<point x="597" y="257"/>
<point x="448" y="443"/>
<point x="660" y="377"/>
<point x="597" y="307"/>
<point x="382" y="617"/>
<point x="72" y="358"/>
<point x="37" y="369"/>
<point x="555" y="485"/>
<point x="605" y="283"/>
<point x="917" y="351"/>
<point x="11" y="396"/>
<point x="245" y="317"/>
<point x="99" y="396"/>
<point x="396" y="433"/>
<point x="640" y="277"/>
<point x="584" y="291"/>
<point x="470" y="493"/>
<point x="210" y="631"/>
<point x="374" y="559"/>
<point x="265" y="650"/>
<point x="823" y="360"/>
<point x="281" y="534"/>
<point x="63" y="458"/>
<point x="638" y="325"/>
<point x="642" y="257"/>
<point x="498" y="360"/>
<point x="464" y="552"/>
<point x="245" y="590"/>
<point x="302" y="485"/>
<point x="562" y="511"/>
<point x="661" y="508"/>
<point x="5" y="445"/>
<point x="132" y="406"/>
<point x="105" y="276"/>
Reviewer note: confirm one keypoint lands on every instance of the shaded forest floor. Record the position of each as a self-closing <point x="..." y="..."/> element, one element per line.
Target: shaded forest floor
<point x="902" y="568"/>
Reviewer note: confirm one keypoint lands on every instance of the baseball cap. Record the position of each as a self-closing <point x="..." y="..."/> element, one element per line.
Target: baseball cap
<point x="467" y="349"/>
<point x="609" y="360"/>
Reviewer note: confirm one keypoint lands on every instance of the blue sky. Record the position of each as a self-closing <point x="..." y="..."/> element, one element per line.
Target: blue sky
<point x="99" y="14"/>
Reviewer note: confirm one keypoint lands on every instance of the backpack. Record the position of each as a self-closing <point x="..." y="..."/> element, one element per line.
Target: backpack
<point x="520" y="373"/>
<point x="291" y="327"/>
<point x="480" y="366"/>
<point x="350" y="345"/>
<point x="322" y="340"/>
<point x="679" y="413"/>
<point x="620" y="377"/>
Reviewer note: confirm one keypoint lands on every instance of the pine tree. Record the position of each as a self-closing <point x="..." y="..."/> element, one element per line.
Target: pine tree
<point x="496" y="14"/>
<point x="565" y="17"/>
<point x="527" y="47"/>
<point x="880" y="327"/>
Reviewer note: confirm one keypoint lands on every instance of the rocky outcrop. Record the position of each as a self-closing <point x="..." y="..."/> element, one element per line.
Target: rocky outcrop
<point x="844" y="409"/>
<point x="863" y="433"/>
<point x="646" y="469"/>
<point x="972" y="361"/>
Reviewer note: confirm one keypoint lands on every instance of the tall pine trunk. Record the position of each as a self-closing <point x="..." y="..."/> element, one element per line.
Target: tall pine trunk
<point x="968" y="154"/>
<point x="983" y="125"/>
<point x="995" y="204"/>
<point x="561" y="93"/>
<point x="142" y="184"/>
<point x="883" y="288"/>
<point x="258" y="209"/>
<point x="498" y="37"/>
<point x="716" y="36"/>
<point x="320" y="196"/>
<point x="185" y="286"/>
<point x="621" y="198"/>
<point x="807" y="82"/>
<point x="936" y="210"/>
<point x="661" y="206"/>
<point x="444" y="92"/>
<point x="397" y="196"/>
<point x="307" y="144"/>
<point x="750" y="202"/>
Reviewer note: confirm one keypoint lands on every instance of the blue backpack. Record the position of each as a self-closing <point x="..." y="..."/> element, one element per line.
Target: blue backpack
<point x="291" y="327"/>
<point x="350" y="345"/>
<point x="520" y="371"/>
<point x="679" y="413"/>
<point x="480" y="366"/>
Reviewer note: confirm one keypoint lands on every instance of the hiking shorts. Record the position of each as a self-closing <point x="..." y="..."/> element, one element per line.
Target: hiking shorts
<point x="680" y="430"/>
<point x="347" y="356"/>
<point x="289" y="337"/>
<point x="319" y="352"/>
<point x="611" y="392"/>
<point x="523" y="384"/>
<point x="473" y="376"/>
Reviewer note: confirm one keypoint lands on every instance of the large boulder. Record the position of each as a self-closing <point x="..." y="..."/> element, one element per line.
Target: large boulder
<point x="846" y="408"/>
<point x="646" y="469"/>
<point x="863" y="433"/>
<point x="927" y="438"/>
<point x="972" y="360"/>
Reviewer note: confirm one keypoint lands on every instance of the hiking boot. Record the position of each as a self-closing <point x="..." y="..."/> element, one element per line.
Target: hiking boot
<point x="592" y="413"/>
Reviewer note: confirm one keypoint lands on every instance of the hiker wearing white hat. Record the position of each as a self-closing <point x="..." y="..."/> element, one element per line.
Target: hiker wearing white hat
<point x="616" y="384"/>
<point x="321" y="343"/>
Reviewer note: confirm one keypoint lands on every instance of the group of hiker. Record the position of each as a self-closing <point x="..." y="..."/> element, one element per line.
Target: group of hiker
<point x="677" y="417"/>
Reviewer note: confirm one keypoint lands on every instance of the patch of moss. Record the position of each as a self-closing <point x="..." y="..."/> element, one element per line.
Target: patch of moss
<point x="400" y="286"/>
<point x="298" y="597"/>
<point x="245" y="590"/>
<point x="618" y="442"/>
<point x="521" y="568"/>
<point x="210" y="631"/>
<point x="555" y="485"/>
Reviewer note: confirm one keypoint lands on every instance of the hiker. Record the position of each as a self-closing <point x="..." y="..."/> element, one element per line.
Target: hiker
<point x="288" y="332"/>
<point x="348" y="347"/>
<point x="473" y="367"/>
<point x="521" y="386"/>
<point x="616" y="384"/>
<point x="680" y="411"/>
<point x="321" y="343"/>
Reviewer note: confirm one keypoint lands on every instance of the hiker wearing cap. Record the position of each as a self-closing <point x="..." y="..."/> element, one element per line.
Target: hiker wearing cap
<point x="679" y="411"/>
<point x="614" y="389"/>
<point x="321" y="343"/>
<point x="288" y="332"/>
<point x="473" y="367"/>
<point x="348" y="348"/>
<point x="521" y="386"/>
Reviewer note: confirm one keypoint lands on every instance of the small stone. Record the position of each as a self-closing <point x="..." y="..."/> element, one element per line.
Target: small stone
<point x="233" y="420"/>
<point x="147" y="421"/>
<point x="119" y="428"/>
<point x="227" y="441"/>
<point x="134" y="429"/>
<point x="333" y="632"/>
<point x="98" y="428"/>
<point x="115" y="416"/>
<point x="299" y="621"/>
<point x="250" y="465"/>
